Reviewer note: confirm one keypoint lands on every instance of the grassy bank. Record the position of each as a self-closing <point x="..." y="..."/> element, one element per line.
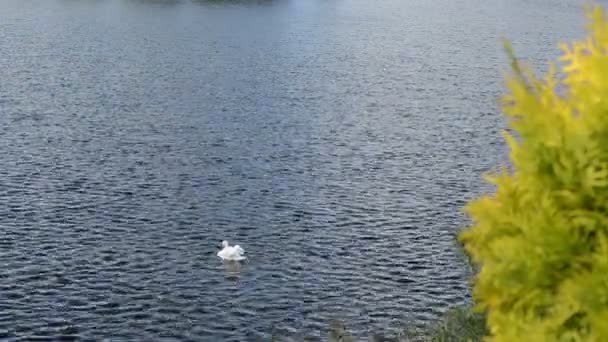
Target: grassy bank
<point x="459" y="324"/>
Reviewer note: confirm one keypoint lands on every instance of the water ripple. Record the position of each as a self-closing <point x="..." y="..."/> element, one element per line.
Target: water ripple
<point x="335" y="141"/>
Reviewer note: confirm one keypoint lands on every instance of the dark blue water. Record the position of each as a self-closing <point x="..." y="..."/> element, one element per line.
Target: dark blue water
<point x="336" y="141"/>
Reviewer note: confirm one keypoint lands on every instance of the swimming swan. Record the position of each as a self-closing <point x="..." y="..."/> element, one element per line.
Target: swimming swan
<point x="231" y="253"/>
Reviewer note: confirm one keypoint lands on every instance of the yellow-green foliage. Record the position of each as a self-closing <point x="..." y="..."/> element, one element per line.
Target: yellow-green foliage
<point x="542" y="239"/>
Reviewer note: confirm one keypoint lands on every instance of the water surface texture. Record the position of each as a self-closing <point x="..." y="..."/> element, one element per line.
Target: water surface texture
<point x="336" y="141"/>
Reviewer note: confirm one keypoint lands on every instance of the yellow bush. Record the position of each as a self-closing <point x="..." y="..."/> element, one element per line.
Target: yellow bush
<point x="541" y="240"/>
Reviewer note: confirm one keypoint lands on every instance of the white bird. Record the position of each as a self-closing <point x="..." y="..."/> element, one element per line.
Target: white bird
<point x="231" y="253"/>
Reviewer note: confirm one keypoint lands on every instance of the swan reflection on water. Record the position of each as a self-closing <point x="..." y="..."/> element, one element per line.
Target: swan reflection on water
<point x="233" y="270"/>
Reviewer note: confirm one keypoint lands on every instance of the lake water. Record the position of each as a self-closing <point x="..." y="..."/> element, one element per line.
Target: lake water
<point x="336" y="141"/>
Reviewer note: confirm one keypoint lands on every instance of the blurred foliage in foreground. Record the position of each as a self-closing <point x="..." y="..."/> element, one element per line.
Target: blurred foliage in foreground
<point x="541" y="240"/>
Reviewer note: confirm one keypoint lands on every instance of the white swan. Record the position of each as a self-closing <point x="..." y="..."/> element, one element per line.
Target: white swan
<point x="231" y="253"/>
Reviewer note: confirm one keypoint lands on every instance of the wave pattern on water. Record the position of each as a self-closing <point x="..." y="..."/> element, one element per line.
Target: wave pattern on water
<point x="335" y="141"/>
